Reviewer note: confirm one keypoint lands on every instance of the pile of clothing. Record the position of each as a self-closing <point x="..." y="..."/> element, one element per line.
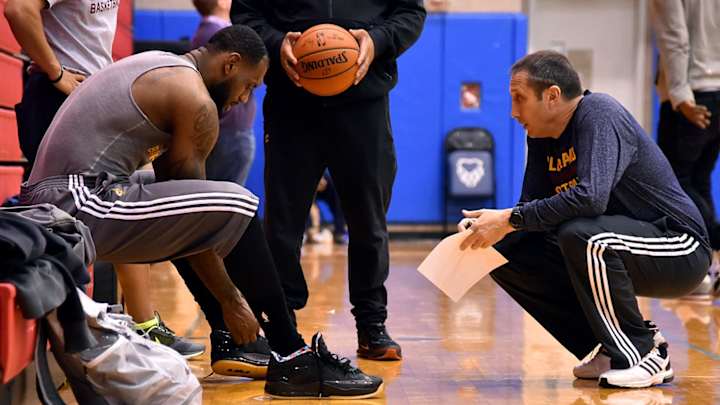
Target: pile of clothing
<point x="44" y="253"/>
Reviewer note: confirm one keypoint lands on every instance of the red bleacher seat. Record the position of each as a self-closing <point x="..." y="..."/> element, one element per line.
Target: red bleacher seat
<point x="11" y="73"/>
<point x="17" y="335"/>
<point x="7" y="39"/>
<point x="10" y="179"/>
<point x="9" y="144"/>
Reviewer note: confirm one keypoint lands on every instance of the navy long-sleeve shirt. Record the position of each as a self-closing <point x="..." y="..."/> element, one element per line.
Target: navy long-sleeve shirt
<point x="603" y="164"/>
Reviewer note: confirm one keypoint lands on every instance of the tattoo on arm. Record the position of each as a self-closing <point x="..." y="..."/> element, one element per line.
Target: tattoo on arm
<point x="205" y="128"/>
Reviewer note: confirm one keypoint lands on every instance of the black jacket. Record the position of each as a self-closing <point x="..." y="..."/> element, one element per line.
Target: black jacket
<point x="394" y="25"/>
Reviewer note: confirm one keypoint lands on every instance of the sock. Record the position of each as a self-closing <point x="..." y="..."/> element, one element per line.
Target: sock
<point x="281" y="359"/>
<point x="145" y="326"/>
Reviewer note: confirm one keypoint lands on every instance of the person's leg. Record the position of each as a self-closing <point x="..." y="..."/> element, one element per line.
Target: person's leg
<point x="692" y="153"/>
<point x="330" y="196"/>
<point x="225" y="220"/>
<point x="536" y="278"/>
<point x="135" y="280"/>
<point x="40" y="101"/>
<point x="363" y="166"/>
<point x="611" y="260"/>
<point x="705" y="164"/>
<point x="145" y="223"/>
<point x="250" y="265"/>
<point x="294" y="163"/>
<point x="313" y="224"/>
<point x="666" y="131"/>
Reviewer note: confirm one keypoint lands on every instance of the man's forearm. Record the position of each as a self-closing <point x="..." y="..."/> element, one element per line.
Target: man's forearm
<point x="26" y="24"/>
<point x="211" y="270"/>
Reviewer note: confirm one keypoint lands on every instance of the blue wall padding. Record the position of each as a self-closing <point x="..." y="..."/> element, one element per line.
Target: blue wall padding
<point x="425" y="105"/>
<point x="179" y="24"/>
<point x="147" y="25"/>
<point x="255" y="181"/>
<point x="518" y="132"/>
<point x="167" y="25"/>
<point x="416" y="111"/>
<point x="482" y="48"/>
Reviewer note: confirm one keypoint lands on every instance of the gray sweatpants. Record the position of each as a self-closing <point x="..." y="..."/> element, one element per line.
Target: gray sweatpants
<point x="137" y="220"/>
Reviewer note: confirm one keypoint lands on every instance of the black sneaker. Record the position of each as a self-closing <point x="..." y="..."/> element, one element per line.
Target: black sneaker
<point x="317" y="373"/>
<point x="229" y="358"/>
<point x="160" y="333"/>
<point x="374" y="343"/>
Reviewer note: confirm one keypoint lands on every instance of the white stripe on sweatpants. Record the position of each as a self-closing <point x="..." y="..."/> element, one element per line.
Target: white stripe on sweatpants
<point x="94" y="202"/>
<point x="162" y="207"/>
<point x="71" y="186"/>
<point x="597" y="273"/>
<point x="79" y="182"/>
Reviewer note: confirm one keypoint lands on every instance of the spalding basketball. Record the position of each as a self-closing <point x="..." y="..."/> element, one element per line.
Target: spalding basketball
<point x="327" y="59"/>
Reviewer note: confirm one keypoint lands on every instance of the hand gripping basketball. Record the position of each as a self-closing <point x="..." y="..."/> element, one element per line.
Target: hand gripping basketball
<point x="327" y="59"/>
<point x="287" y="58"/>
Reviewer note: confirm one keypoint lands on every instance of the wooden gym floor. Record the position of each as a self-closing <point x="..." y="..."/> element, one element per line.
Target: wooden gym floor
<point x="482" y="350"/>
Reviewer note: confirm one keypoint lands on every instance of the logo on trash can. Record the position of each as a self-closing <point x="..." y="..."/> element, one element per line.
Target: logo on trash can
<point x="470" y="171"/>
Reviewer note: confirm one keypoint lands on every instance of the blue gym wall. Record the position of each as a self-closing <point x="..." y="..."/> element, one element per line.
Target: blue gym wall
<point x="425" y="105"/>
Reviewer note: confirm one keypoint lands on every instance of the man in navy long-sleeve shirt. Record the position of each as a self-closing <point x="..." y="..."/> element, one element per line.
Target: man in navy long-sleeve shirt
<point x="602" y="219"/>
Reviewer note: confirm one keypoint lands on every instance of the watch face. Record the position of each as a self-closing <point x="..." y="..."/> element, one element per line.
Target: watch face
<point x="516" y="218"/>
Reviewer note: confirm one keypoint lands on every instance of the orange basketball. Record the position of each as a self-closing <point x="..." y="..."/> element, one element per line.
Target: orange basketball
<point x="327" y="59"/>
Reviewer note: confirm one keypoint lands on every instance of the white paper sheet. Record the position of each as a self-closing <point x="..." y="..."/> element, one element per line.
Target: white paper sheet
<point x="455" y="271"/>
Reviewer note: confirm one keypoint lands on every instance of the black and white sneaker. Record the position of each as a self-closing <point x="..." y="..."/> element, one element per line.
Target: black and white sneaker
<point x="598" y="361"/>
<point x="317" y="373"/>
<point x="653" y="369"/>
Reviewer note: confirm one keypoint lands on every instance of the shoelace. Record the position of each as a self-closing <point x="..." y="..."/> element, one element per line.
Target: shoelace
<point x="378" y="334"/>
<point x="164" y="329"/>
<point x="161" y="325"/>
<point x="342" y="363"/>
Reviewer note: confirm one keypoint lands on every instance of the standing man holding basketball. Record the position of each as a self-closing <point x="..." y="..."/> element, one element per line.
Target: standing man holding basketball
<point x="348" y="133"/>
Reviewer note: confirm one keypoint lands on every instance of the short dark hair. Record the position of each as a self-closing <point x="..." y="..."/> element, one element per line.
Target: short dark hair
<point x="549" y="68"/>
<point x="241" y="39"/>
<point x="205" y="7"/>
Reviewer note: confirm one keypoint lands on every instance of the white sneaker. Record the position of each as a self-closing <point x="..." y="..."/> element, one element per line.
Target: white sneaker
<point x="598" y="362"/>
<point x="653" y="369"/>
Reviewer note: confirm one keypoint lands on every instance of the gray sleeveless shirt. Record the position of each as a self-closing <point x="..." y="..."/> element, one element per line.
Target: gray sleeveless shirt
<point x="100" y="128"/>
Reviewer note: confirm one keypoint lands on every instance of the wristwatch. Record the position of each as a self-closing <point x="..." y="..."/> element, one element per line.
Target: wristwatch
<point x="516" y="218"/>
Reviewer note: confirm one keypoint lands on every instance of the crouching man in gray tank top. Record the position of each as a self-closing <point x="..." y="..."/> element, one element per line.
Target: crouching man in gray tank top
<point x="163" y="108"/>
